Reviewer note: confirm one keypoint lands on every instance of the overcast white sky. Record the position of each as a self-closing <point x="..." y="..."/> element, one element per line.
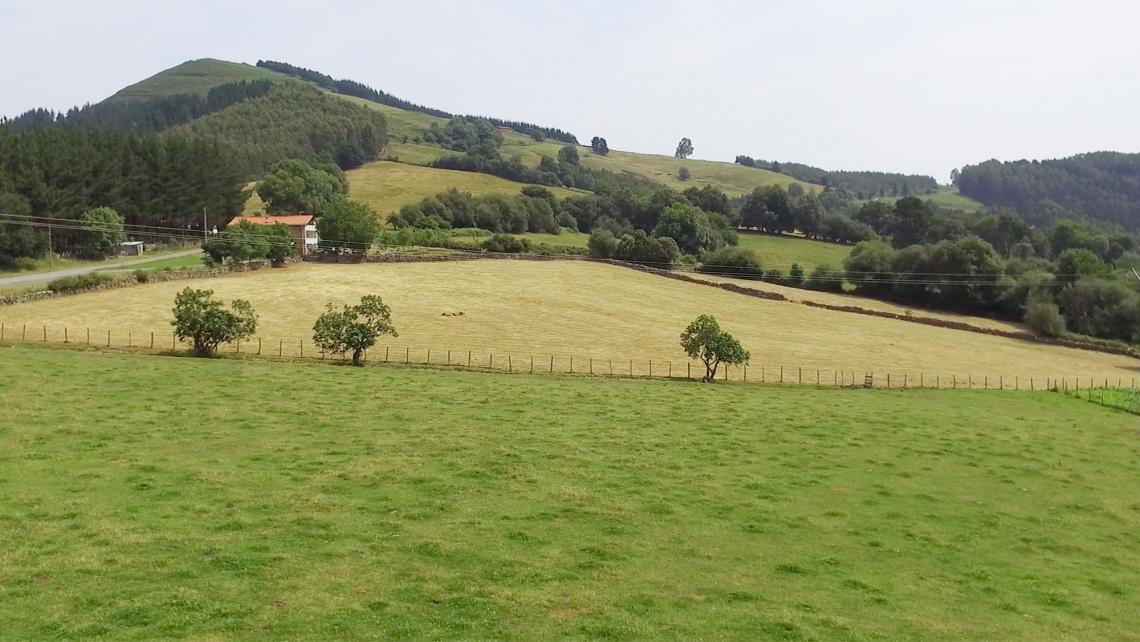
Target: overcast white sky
<point x="887" y="85"/>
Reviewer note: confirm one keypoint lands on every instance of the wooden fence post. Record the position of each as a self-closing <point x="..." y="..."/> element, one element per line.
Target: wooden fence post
<point x="65" y="334"/>
<point x="449" y="357"/>
<point x="108" y="338"/>
<point x="45" y="333"/>
<point x="301" y="347"/>
<point x="746" y="373"/>
<point x="551" y="363"/>
<point x="280" y="347"/>
<point x="428" y="362"/>
<point x="152" y="342"/>
<point x="532" y="364"/>
<point x="905" y="376"/>
<point x="571" y="364"/>
<point x="173" y="341"/>
<point x="591" y="365"/>
<point x="671" y="371"/>
<point x="1" y="331"/>
<point x="781" y="374"/>
<point x="89" y="336"/>
<point x="651" y="367"/>
<point x="688" y="369"/>
<point x="611" y="367"/>
<point x="801" y="374"/>
<point x="491" y="360"/>
<point x="24" y="335"/>
<point x="631" y="367"/>
<point x="510" y="366"/>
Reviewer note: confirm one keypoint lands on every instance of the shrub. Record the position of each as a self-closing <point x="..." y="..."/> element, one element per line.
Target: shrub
<point x="602" y="244"/>
<point x="565" y="220"/>
<point x="683" y="174"/>
<point x="796" y="276"/>
<point x="79" y="282"/>
<point x="825" y="279"/>
<point x="732" y="261"/>
<point x="142" y="276"/>
<point x="25" y="263"/>
<point x="1043" y="317"/>
<point x="506" y="244"/>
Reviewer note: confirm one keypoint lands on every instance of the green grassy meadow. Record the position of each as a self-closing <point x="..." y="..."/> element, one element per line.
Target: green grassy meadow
<point x="949" y="197"/>
<point x="197" y="77"/>
<point x="146" y="497"/>
<point x="781" y="251"/>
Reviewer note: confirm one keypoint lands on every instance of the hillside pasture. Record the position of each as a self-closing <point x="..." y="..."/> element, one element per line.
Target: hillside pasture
<point x="221" y="499"/>
<point x="780" y="252"/>
<point x="580" y="309"/>
<point x="388" y="186"/>
<point x="196" y="77"/>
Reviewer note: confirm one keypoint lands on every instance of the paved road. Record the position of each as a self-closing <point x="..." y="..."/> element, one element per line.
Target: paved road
<point x="44" y="277"/>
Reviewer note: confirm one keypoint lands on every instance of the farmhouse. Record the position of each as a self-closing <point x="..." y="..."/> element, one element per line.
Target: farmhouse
<point x="301" y="226"/>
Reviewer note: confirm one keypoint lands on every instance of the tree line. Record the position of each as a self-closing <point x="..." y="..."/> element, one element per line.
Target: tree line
<point x="144" y="115"/>
<point x="1100" y="186"/>
<point x="360" y="90"/>
<point x="864" y="184"/>
<point x="61" y="173"/>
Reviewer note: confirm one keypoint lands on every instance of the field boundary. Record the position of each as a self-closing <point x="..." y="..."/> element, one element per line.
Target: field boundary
<point x="408" y="257"/>
<point x="738" y="289"/>
<point x="520" y="361"/>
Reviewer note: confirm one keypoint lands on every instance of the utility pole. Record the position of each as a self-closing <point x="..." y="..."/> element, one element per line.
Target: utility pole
<point x="51" y="253"/>
<point x="204" y="232"/>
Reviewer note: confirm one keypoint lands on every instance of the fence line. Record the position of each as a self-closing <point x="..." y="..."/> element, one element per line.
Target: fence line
<point x="545" y="362"/>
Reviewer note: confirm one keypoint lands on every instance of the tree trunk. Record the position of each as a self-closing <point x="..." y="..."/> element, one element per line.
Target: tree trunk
<point x="710" y="371"/>
<point x="356" y="357"/>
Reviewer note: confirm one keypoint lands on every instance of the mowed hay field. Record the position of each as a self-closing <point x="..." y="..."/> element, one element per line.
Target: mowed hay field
<point x="388" y="186"/>
<point x="580" y="309"/>
<point x="146" y="497"/>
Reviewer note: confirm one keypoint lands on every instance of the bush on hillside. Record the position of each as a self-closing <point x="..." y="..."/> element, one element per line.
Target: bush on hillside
<point x="1043" y="317"/>
<point x="825" y="278"/>
<point x="79" y="282"/>
<point x="731" y="261"/>
<point x="506" y="244"/>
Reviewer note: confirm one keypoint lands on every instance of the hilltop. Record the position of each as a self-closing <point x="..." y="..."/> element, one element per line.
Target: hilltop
<point x="195" y="77"/>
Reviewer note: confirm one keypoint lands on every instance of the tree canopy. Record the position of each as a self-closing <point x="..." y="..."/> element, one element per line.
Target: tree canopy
<point x="354" y="328"/>
<point x="206" y="323"/>
<point x="704" y="339"/>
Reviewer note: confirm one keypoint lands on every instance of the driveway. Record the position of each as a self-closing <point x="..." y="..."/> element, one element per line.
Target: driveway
<point x="44" y="277"/>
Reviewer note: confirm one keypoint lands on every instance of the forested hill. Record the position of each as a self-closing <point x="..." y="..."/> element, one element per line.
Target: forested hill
<point x="360" y="90"/>
<point x="865" y="185"/>
<point x="1100" y="186"/>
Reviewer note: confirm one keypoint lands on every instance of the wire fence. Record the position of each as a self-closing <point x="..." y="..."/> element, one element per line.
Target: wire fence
<point x="1126" y="399"/>
<point x="536" y="362"/>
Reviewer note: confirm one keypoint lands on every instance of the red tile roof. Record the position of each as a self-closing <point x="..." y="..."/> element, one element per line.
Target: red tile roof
<point x="287" y="219"/>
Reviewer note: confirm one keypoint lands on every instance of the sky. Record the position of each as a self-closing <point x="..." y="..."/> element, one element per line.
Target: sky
<point x="889" y="85"/>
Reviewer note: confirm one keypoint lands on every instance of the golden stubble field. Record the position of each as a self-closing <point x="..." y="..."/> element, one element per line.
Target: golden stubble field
<point x="579" y="309"/>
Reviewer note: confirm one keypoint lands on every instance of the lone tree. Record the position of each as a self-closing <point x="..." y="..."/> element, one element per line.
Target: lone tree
<point x="704" y="340"/>
<point x="206" y="323"/>
<point x="683" y="174"/>
<point x="355" y="328"/>
<point x="684" y="149"/>
<point x="599" y="146"/>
